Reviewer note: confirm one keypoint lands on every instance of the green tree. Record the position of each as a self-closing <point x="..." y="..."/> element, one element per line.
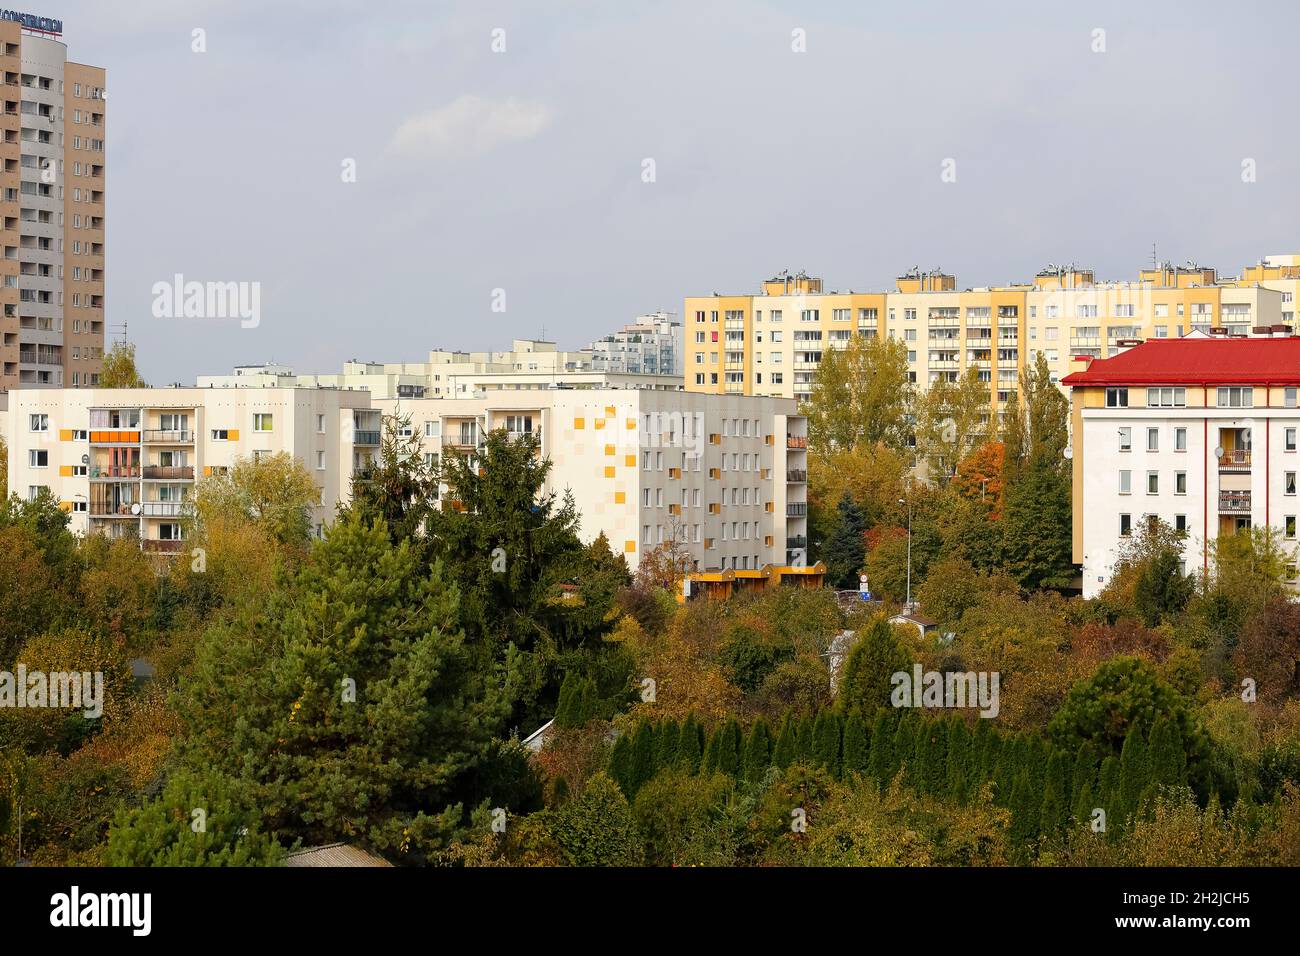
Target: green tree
<point x="276" y="491"/>
<point x="784" y="753"/>
<point x="689" y="749"/>
<point x="197" y="821"/>
<point x="826" y="743"/>
<point x="758" y="750"/>
<point x="863" y="395"/>
<point x="641" y="764"/>
<point x="398" y="487"/>
<point x="866" y="680"/>
<point x="952" y="420"/>
<point x="845" y="550"/>
<point x="596" y="828"/>
<point x="856" y="746"/>
<point x="357" y="712"/>
<point x="1037" y="528"/>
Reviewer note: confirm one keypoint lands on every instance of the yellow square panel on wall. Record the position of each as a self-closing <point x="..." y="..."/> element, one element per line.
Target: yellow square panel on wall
<point x="579" y="423"/>
<point x="630" y="461"/>
<point x="609" y="471"/>
<point x="600" y="423"/>
<point x="65" y="434"/>
<point x="629" y="547"/>
<point x="609" y="449"/>
<point x="232" y="434"/>
<point x="631" y="424"/>
<point x="609" y="411"/>
<point x="620" y="497"/>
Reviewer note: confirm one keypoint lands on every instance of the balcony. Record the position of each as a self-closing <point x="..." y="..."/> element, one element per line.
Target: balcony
<point x="107" y="509"/>
<point x="1234" y="502"/>
<point x="102" y="473"/>
<point x="116" y="437"/>
<point x="365" y="438"/>
<point x="169" y="436"/>
<point x="796" y="509"/>
<point x="1235" y="459"/>
<point x="796" y="475"/>
<point x="796" y="441"/>
<point x="158" y="546"/>
<point x="799" y="541"/>
<point x="169" y="472"/>
<point x="161" y="509"/>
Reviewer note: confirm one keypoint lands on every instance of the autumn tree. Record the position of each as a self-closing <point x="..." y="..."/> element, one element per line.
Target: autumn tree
<point x="275" y="491"/>
<point x="118" y="369"/>
<point x="952" y="421"/>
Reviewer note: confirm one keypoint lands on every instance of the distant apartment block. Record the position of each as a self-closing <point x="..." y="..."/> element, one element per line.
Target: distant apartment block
<point x="52" y="133"/>
<point x="530" y="365"/>
<point x="1199" y="432"/>
<point x="652" y="345"/>
<point x="772" y="342"/>
<point x="723" y="477"/>
<point x="124" y="462"/>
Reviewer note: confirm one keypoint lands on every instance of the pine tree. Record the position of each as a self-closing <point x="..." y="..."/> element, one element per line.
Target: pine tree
<point x="1111" y="793"/>
<point x="856" y="748"/>
<point x="957" y="774"/>
<point x="1083" y="782"/>
<point x="620" y="762"/>
<point x="588" y="708"/>
<point x="758" y="750"/>
<point x="932" y="758"/>
<point x="564" y="707"/>
<point x="826" y="742"/>
<point x="880" y="759"/>
<point x="689" y="748"/>
<point x="845" y="547"/>
<point x="904" y="747"/>
<point x="712" y="753"/>
<point x="803" y="743"/>
<point x="783" y="753"/>
<point x="866" y="680"/>
<point x="1026" y="804"/>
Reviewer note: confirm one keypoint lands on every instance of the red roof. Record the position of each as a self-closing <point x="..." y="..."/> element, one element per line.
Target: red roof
<point x="1261" y="361"/>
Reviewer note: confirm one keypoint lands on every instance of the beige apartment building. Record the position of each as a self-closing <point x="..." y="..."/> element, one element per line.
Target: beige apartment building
<point x="771" y="343"/>
<point x="123" y="462"/>
<point x="52" y="133"/>
<point x="530" y="365"/>
<point x="725" y="477"/>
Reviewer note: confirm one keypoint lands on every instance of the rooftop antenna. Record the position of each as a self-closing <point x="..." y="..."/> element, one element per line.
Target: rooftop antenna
<point x="1154" y="263"/>
<point x="123" y="329"/>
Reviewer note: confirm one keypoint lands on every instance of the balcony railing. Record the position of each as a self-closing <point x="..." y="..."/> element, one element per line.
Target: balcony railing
<point x="106" y="509"/>
<point x="98" y="472"/>
<point x="161" y="509"/>
<point x="1235" y="459"/>
<point x="115" y="437"/>
<point x="796" y="475"/>
<point x="365" y="438"/>
<point x="796" y="509"/>
<point x="169" y="471"/>
<point x="1234" y="502"/>
<point x="171" y="436"/>
<point x="158" y="546"/>
<point x="796" y="441"/>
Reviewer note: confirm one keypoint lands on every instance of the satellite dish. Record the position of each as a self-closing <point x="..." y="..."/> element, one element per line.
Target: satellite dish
<point x="135" y="508"/>
<point x="1218" y="451"/>
<point x="85" y="459"/>
<point x="1068" y="452"/>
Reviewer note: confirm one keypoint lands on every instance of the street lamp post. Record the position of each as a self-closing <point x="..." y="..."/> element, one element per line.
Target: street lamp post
<point x="908" y="606"/>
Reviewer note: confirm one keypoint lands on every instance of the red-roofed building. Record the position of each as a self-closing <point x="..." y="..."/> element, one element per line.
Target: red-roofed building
<point x="1198" y="432"/>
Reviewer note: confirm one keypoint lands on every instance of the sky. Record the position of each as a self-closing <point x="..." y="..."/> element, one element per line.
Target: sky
<point x="380" y="171"/>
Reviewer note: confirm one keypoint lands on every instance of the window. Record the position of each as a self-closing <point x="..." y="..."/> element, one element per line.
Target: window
<point x="40" y="423"/>
<point x="221" y="434"/>
<point x="320" y="424"/>
<point x="1234" y="396"/>
<point x="1126" y="439"/>
<point x="1153" y="439"/>
<point x="1180" y="439"/>
<point x="1289" y="396"/>
<point x="1117" y="398"/>
<point x="1288" y="483"/>
<point x="320" y="461"/>
<point x="38" y="458"/>
<point x="1125" y="481"/>
<point x="1180" y="522"/>
<point x="1290" y="439"/>
<point x="1153" y="482"/>
<point x="80" y="507"/>
<point x="1289" y="526"/>
<point x="1125" y="525"/>
<point x="1180" y="482"/>
<point x="262" y="421"/>
<point x="1166" y="397"/>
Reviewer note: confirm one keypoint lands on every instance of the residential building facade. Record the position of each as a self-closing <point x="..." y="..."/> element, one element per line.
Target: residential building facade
<point x="123" y="462"/>
<point x="652" y="345"/>
<point x="52" y="135"/>
<point x="772" y="343"/>
<point x="722" y="479"/>
<point x="1199" y="432"/>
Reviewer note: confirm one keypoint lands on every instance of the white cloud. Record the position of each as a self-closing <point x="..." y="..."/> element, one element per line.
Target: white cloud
<point x="469" y="126"/>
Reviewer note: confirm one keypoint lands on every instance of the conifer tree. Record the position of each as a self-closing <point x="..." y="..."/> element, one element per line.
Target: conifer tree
<point x="642" y="764"/>
<point x="880" y="758"/>
<point x="957" y="774"/>
<point x="712" y="753"/>
<point x="803" y="745"/>
<point x="826" y="742"/>
<point x="783" y="753"/>
<point x="1055" y="808"/>
<point x="1025" y="813"/>
<point x="856" y="751"/>
<point x="667" y="740"/>
<point x="1111" y="794"/>
<point x="758" y="750"/>
<point x="1168" y="756"/>
<point x="689" y="749"/>
<point x="729" y="749"/>
<point x="564" y="707"/>
<point x="1134" y="770"/>
<point x="620" y="762"/>
<point x="1083" y="781"/>
<point x="904" y="747"/>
